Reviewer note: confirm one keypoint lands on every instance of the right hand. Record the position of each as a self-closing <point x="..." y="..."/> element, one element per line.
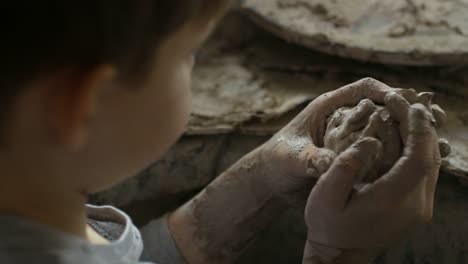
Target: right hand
<point x="342" y="218"/>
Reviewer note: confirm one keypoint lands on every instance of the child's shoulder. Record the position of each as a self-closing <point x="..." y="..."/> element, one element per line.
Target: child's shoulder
<point x="25" y="241"/>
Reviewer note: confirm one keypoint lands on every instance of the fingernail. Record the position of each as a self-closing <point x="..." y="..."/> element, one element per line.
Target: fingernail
<point x="397" y="106"/>
<point x="420" y="118"/>
<point x="444" y="148"/>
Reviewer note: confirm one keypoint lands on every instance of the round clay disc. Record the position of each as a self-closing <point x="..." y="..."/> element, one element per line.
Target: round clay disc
<point x="411" y="32"/>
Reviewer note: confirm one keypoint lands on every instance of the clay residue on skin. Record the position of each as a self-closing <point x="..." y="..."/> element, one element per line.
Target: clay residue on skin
<point x="417" y="32"/>
<point x="457" y="133"/>
<point x="297" y="144"/>
<point x="350" y="124"/>
<point x="239" y="221"/>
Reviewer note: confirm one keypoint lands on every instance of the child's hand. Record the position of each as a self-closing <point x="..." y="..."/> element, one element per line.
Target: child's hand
<point x="285" y="166"/>
<point x="343" y="218"/>
<point x="294" y="158"/>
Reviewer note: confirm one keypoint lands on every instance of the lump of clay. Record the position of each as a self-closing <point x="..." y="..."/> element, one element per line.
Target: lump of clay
<point x="349" y="124"/>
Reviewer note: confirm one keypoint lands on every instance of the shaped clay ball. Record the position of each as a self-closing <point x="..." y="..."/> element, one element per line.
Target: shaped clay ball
<point x="349" y="124"/>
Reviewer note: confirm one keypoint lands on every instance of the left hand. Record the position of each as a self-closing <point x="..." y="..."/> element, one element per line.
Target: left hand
<point x="294" y="158"/>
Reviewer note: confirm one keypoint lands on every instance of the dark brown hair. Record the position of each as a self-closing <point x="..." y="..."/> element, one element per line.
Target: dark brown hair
<point x="43" y="36"/>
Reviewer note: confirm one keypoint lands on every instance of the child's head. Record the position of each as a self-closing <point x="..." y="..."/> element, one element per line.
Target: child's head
<point x="94" y="91"/>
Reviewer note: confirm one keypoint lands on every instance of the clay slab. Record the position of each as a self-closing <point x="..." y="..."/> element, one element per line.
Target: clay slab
<point x="410" y="32"/>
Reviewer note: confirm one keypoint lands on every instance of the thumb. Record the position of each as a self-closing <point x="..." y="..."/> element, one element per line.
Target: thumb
<point x="336" y="185"/>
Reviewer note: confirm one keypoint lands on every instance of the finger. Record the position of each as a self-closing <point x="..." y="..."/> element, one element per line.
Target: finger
<point x="432" y="183"/>
<point x="439" y="115"/>
<point x="349" y="95"/>
<point x="425" y="98"/>
<point x="363" y="110"/>
<point x="372" y="129"/>
<point x="420" y="159"/>
<point x="336" y="185"/>
<point x="399" y="109"/>
<point x="360" y="118"/>
<point x="444" y="148"/>
<point x="409" y="94"/>
<point x="389" y="135"/>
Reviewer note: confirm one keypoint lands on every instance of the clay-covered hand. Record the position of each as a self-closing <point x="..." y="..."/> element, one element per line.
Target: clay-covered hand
<point x="349" y="223"/>
<point x="367" y="119"/>
<point x="439" y="117"/>
<point x="295" y="157"/>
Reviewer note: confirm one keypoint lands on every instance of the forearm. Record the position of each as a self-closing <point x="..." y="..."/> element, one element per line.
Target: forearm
<point x="216" y="225"/>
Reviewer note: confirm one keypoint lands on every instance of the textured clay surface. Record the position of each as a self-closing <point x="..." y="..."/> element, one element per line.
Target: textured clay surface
<point x="414" y="32"/>
<point x="349" y="124"/>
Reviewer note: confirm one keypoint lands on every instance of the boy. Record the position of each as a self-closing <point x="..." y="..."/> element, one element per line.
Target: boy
<point x="94" y="91"/>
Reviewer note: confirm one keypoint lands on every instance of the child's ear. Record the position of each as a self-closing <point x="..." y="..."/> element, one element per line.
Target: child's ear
<point x="72" y="103"/>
